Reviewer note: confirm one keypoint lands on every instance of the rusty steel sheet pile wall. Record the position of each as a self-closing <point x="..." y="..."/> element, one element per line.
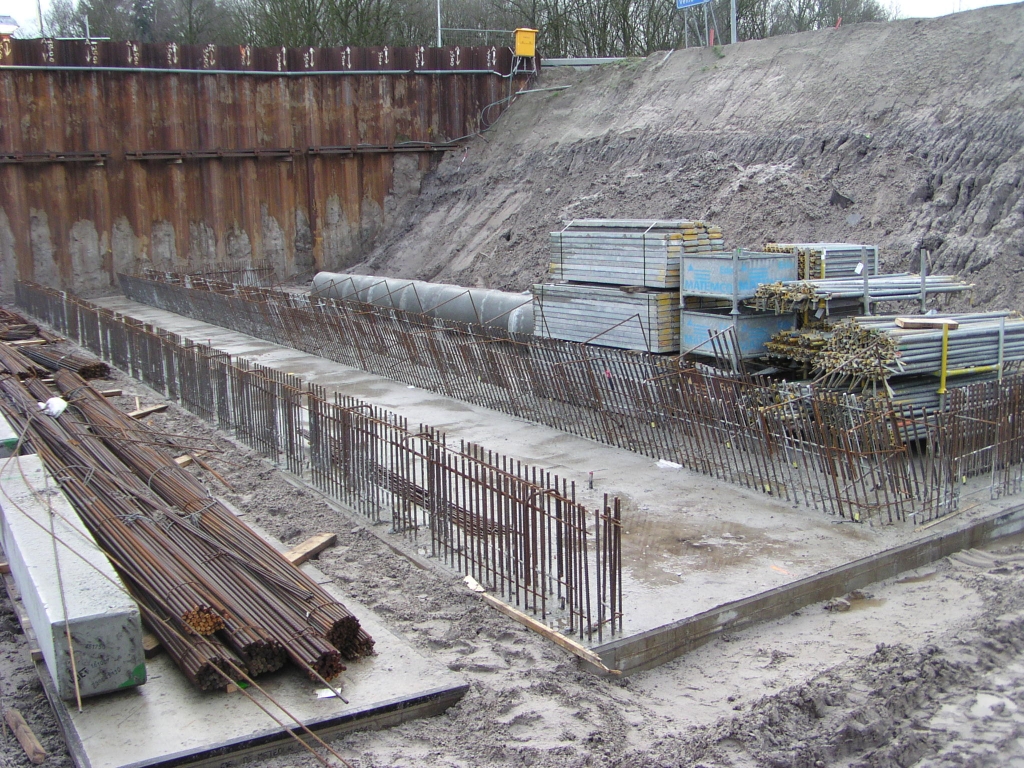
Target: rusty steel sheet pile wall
<point x="516" y="528"/>
<point x="854" y="455"/>
<point x="118" y="156"/>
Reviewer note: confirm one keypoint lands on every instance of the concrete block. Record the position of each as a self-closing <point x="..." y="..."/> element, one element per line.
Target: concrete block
<point x="104" y="620"/>
<point x="8" y="438"/>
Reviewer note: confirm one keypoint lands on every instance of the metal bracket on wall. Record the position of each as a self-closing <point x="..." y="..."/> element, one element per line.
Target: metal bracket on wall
<point x="88" y="156"/>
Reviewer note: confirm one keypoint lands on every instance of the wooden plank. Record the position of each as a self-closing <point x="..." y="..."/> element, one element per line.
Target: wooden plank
<point x="142" y="413"/>
<point x="150" y="645"/>
<point x="111" y="392"/>
<point x="5" y="567"/>
<point x="311" y="547"/>
<point x="183" y="461"/>
<point x="27" y="342"/>
<point x="19" y="610"/>
<point x="545" y="631"/>
<point x="923" y="321"/>
<point x="27" y="739"/>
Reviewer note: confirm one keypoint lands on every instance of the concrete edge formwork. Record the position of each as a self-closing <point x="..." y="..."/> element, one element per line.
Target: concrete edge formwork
<point x="660" y="645"/>
<point x="230" y="752"/>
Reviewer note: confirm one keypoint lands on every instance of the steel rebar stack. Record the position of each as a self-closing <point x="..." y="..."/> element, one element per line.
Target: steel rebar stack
<point x="218" y="596"/>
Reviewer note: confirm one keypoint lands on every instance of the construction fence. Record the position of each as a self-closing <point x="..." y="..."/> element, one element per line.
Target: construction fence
<point x="858" y="456"/>
<point x="516" y="529"/>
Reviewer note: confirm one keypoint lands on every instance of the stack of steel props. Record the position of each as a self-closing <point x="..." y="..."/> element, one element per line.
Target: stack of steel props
<point x="801" y="346"/>
<point x="827" y="260"/>
<point x="876" y="348"/>
<point x="813" y="294"/>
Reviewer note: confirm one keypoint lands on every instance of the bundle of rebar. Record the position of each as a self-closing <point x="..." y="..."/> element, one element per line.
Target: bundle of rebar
<point x="253" y="559"/>
<point x="53" y="359"/>
<point x="217" y="595"/>
<point x="16" y="364"/>
<point x="17" y="331"/>
<point x="14" y="327"/>
<point x="870" y="349"/>
<point x="813" y="294"/>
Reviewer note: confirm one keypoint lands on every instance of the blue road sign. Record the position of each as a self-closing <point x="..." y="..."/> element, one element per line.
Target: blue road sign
<point x="681" y="4"/>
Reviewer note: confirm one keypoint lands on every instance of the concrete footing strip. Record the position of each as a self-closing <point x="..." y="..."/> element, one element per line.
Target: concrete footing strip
<point x="657" y="646"/>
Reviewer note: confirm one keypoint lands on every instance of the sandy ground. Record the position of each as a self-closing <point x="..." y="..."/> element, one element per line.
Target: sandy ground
<point x="925" y="670"/>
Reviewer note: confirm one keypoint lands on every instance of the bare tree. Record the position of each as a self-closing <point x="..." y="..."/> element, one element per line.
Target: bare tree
<point x="63" y="19"/>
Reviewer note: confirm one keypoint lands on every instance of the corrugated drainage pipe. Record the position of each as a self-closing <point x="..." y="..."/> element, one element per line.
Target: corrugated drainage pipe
<point x="495" y="309"/>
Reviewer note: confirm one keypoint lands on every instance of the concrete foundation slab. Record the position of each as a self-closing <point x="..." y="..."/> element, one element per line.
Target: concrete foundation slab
<point x="692" y="545"/>
<point x="75" y="575"/>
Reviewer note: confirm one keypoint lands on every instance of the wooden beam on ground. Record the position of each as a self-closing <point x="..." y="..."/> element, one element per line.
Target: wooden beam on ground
<point x="27" y="739"/>
<point x="925" y="322"/>
<point x="545" y="631"/>
<point x="21" y="613"/>
<point x="142" y="413"/>
<point x="27" y="342"/>
<point x="311" y="547"/>
<point x="183" y="461"/>
<point x="150" y="645"/>
<point x="5" y="567"/>
<point x="111" y="392"/>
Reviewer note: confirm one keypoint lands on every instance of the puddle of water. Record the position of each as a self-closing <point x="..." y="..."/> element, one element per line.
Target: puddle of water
<point x="917" y="579"/>
<point x="868" y="602"/>
<point x="657" y="551"/>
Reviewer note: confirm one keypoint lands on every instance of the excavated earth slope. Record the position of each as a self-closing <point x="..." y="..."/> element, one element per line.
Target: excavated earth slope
<point x="907" y="134"/>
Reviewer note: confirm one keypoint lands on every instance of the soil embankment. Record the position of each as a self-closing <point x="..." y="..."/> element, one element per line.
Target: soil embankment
<point x="908" y="134"/>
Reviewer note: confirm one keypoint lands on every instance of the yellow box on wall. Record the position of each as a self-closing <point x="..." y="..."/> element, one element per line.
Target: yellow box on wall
<point x="525" y="42"/>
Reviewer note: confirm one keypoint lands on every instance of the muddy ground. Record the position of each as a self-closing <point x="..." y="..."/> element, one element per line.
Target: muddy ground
<point x="926" y="670"/>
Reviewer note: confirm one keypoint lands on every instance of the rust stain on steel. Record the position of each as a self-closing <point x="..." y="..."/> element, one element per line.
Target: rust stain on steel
<point x="118" y="156"/>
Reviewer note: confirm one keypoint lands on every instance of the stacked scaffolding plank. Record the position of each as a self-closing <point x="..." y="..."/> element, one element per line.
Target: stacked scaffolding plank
<point x="621" y="282"/>
<point x="607" y="316"/>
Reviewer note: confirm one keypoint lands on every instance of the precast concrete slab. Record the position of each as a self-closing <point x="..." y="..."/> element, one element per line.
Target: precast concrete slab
<point x="691" y="544"/>
<point x="168" y="722"/>
<point x="67" y="586"/>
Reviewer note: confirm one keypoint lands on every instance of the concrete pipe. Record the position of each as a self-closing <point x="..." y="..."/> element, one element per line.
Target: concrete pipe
<point x="495" y="309"/>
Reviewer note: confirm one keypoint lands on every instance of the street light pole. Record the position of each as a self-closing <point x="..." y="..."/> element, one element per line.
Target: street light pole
<point x="439" y="23"/>
<point x="733" y="25"/>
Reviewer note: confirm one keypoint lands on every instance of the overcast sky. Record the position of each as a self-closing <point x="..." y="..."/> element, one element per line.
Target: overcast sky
<point x="26" y="14"/>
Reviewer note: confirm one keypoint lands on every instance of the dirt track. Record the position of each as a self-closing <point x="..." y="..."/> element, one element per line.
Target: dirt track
<point x="918" y="125"/>
<point x="927" y="670"/>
